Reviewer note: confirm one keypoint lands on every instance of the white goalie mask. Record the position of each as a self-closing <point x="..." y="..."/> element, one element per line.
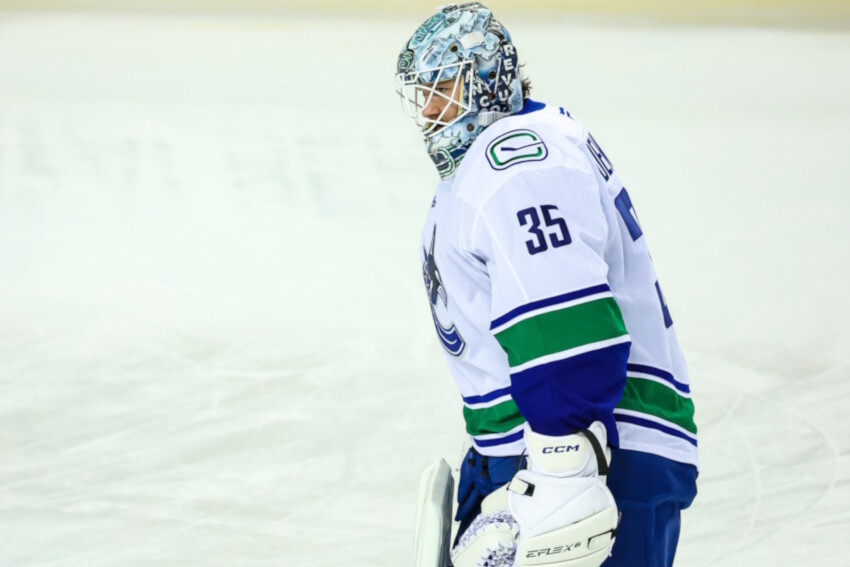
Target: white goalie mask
<point x="457" y="75"/>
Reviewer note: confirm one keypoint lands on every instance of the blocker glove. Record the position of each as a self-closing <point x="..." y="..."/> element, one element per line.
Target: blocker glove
<point x="556" y="513"/>
<point x="566" y="515"/>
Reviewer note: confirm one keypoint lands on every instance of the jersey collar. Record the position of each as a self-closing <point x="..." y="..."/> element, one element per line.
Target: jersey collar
<point x="530" y="106"/>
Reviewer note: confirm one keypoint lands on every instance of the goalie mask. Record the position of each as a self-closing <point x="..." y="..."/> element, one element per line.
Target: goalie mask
<point x="457" y="75"/>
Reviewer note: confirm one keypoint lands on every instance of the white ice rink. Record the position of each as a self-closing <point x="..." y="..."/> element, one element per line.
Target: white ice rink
<point x="215" y="346"/>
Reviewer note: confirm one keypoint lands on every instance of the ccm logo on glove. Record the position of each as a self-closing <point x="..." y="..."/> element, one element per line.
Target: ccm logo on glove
<point x="552" y="550"/>
<point x="560" y="449"/>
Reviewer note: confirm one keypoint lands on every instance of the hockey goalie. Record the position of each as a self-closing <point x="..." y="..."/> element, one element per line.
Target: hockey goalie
<point x="582" y="441"/>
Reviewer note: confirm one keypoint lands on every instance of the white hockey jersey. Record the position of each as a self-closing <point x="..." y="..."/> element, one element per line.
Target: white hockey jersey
<point x="544" y="296"/>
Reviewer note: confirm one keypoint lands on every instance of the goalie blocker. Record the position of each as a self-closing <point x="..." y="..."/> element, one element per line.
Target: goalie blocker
<point x="567" y="516"/>
<point x="556" y="513"/>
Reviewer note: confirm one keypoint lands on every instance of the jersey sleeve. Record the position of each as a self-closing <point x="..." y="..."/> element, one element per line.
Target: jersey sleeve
<point x="542" y="236"/>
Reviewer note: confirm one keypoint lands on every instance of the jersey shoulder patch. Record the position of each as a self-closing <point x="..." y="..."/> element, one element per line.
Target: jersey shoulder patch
<point x="516" y="147"/>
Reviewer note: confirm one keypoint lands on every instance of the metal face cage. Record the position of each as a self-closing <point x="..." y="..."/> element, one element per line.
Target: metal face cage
<point x="434" y="88"/>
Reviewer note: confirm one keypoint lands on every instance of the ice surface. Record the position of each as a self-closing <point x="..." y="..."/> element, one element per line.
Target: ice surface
<point x="215" y="347"/>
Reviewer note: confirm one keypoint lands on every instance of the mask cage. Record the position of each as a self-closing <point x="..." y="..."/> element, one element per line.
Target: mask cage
<point x="419" y="89"/>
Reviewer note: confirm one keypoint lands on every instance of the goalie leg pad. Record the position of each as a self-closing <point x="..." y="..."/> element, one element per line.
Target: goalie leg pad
<point x="432" y="538"/>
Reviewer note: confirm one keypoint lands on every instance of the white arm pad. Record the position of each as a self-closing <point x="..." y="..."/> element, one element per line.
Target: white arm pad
<point x="567" y="516"/>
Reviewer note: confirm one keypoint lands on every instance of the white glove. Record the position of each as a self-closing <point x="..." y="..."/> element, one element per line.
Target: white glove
<point x="567" y="516"/>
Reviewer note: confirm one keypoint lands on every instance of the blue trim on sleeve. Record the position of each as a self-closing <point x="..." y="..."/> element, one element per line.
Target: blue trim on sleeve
<point x="530" y="106"/>
<point x="498" y="322"/>
<point x="561" y="397"/>
<point x="658" y="373"/>
<point x="488" y="397"/>
<point x="653" y="425"/>
<point x="500" y="441"/>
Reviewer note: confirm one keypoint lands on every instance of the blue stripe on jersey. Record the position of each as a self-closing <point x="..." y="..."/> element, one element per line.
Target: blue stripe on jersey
<point x="500" y="441"/>
<point x="658" y="373"/>
<point x="654" y="425"/>
<point x="489" y="397"/>
<point x="561" y="397"/>
<point x="548" y="302"/>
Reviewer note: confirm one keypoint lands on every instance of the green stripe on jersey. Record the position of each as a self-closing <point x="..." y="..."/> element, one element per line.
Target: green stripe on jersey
<point x="500" y="418"/>
<point x="647" y="396"/>
<point x="556" y="331"/>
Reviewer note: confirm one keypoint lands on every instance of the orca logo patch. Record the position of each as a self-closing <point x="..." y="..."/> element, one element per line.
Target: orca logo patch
<point x="450" y="337"/>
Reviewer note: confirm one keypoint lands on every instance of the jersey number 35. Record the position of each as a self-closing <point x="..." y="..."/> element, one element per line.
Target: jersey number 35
<point x="556" y="238"/>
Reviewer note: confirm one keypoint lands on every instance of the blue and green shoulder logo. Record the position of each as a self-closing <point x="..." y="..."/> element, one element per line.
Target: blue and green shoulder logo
<point x="449" y="336"/>
<point x="515" y="147"/>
